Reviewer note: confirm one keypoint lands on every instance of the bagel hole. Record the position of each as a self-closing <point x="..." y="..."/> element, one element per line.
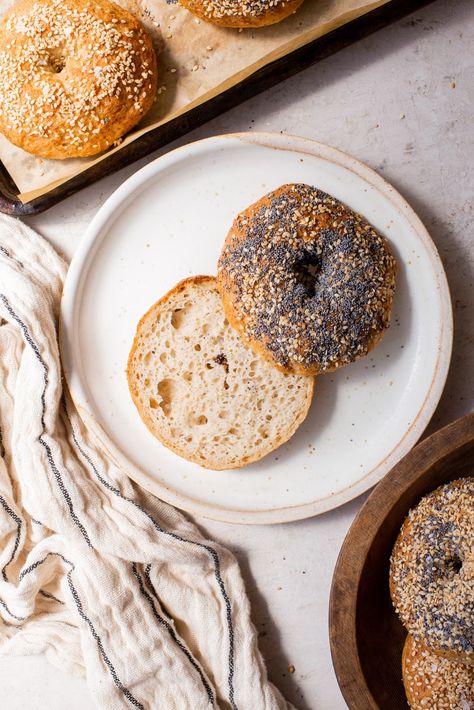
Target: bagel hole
<point x="306" y="270"/>
<point x="454" y="565"/>
<point x="55" y="61"/>
<point x="447" y="568"/>
<point x="58" y="66"/>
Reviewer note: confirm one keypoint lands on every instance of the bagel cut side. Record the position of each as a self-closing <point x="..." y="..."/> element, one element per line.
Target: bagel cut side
<point x="201" y="390"/>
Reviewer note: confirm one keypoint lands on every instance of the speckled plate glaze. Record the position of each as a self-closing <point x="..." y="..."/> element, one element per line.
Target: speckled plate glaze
<point x="168" y="221"/>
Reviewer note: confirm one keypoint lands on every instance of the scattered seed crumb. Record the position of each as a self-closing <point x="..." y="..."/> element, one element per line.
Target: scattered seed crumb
<point x="291" y="669"/>
<point x="208" y="49"/>
<point x="173" y="70"/>
<point x="169" y="35"/>
<point x="402" y="116"/>
<point x="453" y="85"/>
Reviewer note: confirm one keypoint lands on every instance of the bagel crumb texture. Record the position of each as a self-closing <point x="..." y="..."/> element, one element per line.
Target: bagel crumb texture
<point x="307" y="282"/>
<point x="76" y="75"/>
<point x="201" y="391"/>
<point x="435" y="683"/>
<point x="432" y="571"/>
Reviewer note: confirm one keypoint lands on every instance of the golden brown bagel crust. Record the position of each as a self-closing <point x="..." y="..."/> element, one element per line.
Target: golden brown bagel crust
<point x="242" y="13"/>
<point x="434" y="682"/>
<point x="76" y="75"/>
<point x="307" y="282"/>
<point x="432" y="571"/>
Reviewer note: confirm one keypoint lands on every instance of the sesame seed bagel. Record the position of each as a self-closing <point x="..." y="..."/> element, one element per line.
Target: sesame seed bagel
<point x="75" y="76"/>
<point x="432" y="571"/>
<point x="307" y="282"/>
<point x="242" y="13"/>
<point x="434" y="682"/>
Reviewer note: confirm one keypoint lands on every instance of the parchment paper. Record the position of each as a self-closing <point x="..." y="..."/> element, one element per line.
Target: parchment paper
<point x="196" y="61"/>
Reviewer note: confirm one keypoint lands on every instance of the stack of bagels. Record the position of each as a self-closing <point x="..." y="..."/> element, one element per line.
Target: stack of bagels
<point x="432" y="588"/>
<point x="222" y="369"/>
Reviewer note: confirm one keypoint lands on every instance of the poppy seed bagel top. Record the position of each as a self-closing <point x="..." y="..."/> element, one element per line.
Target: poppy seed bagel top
<point x="306" y="281"/>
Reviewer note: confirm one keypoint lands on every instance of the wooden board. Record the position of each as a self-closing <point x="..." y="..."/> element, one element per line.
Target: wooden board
<point x="365" y="634"/>
<point x="266" y="77"/>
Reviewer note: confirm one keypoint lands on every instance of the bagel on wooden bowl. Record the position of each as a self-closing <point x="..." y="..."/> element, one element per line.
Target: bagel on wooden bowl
<point x="367" y="637"/>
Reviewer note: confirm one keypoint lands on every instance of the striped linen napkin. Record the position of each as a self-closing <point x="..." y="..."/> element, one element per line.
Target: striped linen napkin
<point x="106" y="580"/>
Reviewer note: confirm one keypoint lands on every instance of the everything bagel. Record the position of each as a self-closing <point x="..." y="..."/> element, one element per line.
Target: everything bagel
<point x="432" y="571"/>
<point x="307" y="282"/>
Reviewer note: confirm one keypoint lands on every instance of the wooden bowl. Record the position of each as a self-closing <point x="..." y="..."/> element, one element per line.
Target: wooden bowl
<point x="365" y="634"/>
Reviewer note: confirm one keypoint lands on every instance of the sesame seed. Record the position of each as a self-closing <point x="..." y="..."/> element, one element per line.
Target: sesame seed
<point x="434" y="682"/>
<point x="219" y="9"/>
<point x="431" y="573"/>
<point x="61" y="64"/>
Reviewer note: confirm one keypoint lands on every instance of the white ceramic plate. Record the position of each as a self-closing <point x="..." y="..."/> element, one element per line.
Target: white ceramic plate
<point x="168" y="221"/>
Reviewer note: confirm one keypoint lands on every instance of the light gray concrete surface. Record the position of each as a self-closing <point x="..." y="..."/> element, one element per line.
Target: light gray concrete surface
<point x="401" y="101"/>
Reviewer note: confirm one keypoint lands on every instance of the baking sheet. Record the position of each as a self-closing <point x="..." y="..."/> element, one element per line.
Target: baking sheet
<point x="196" y="61"/>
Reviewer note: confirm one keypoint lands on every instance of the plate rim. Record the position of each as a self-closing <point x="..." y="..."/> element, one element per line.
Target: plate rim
<point x="95" y="233"/>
